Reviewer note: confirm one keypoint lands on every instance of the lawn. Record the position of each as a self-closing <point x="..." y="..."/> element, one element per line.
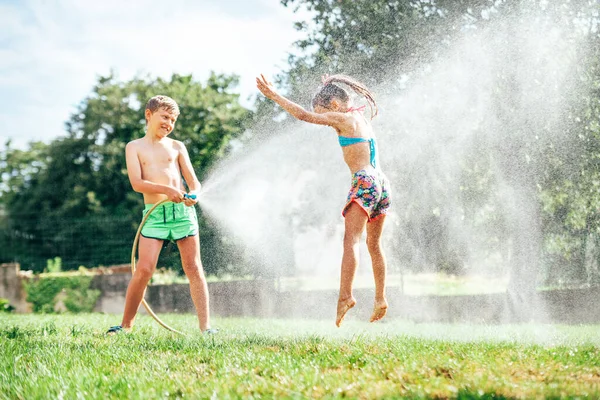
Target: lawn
<point x="68" y="356"/>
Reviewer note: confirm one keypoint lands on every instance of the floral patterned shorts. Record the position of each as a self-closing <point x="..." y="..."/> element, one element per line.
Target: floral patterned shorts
<point x="371" y="191"/>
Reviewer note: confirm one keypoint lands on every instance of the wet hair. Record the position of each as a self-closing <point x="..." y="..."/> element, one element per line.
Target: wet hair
<point x="158" y="102"/>
<point x="330" y="91"/>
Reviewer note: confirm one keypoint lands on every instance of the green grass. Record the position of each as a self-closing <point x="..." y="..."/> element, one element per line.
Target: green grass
<point x="68" y="356"/>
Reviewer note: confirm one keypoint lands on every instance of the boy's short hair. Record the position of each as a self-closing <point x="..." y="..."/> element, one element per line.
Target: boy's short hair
<point x="158" y="102"/>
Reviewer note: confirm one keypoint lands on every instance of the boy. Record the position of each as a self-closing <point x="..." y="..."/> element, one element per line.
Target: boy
<point x="155" y="165"/>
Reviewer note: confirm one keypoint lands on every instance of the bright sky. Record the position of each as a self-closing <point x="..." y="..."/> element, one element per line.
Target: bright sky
<point x="52" y="51"/>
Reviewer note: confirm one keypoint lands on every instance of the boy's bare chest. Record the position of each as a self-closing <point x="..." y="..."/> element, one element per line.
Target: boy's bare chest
<point x="158" y="156"/>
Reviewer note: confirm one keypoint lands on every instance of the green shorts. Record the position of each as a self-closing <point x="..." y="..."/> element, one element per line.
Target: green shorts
<point x="170" y="221"/>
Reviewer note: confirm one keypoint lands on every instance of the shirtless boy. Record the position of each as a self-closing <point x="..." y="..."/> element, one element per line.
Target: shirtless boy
<point x="156" y="165"/>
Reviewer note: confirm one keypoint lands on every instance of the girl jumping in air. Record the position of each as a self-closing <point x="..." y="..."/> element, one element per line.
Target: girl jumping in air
<point x="369" y="196"/>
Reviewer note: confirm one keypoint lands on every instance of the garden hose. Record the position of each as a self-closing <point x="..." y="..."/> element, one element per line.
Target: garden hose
<point x="133" y="251"/>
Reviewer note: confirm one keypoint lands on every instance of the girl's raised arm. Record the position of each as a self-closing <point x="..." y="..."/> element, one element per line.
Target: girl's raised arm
<point x="333" y="119"/>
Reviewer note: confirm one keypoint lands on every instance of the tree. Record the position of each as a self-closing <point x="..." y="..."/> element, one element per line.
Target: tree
<point x="72" y="198"/>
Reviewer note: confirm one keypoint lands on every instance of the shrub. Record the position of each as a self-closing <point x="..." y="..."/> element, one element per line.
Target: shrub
<point x="54" y="265"/>
<point x="42" y="292"/>
<point x="5" y="305"/>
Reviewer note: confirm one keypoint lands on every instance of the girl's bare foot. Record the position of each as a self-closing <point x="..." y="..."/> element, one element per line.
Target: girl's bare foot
<point x="379" y="310"/>
<point x="342" y="308"/>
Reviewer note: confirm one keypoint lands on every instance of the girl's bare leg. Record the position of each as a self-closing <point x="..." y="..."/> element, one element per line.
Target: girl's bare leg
<point x="374" y="230"/>
<point x="189" y="248"/>
<point x="148" y="250"/>
<point x="356" y="218"/>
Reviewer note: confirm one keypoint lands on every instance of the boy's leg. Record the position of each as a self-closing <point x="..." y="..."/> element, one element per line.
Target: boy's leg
<point x="374" y="231"/>
<point x="148" y="250"/>
<point x="356" y="218"/>
<point x="189" y="248"/>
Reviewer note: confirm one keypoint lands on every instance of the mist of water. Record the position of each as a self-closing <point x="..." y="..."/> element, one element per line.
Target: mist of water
<point x="451" y="136"/>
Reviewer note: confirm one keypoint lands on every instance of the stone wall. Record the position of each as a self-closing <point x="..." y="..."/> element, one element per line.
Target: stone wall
<point x="112" y="284"/>
<point x="260" y="298"/>
<point x="11" y="286"/>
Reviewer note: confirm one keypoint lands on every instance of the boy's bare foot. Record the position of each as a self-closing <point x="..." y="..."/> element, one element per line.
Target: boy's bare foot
<point x="342" y="308"/>
<point x="379" y="310"/>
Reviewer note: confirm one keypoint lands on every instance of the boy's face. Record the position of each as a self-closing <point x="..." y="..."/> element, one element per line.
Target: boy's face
<point x="161" y="122"/>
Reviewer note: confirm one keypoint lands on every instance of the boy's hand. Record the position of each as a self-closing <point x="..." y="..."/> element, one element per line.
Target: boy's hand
<point x="190" y="199"/>
<point x="265" y="87"/>
<point x="175" y="195"/>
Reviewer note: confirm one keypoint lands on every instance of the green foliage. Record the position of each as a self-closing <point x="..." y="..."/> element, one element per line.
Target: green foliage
<point x="5" y="306"/>
<point x="44" y="291"/>
<point x="373" y="40"/>
<point x="54" y="265"/>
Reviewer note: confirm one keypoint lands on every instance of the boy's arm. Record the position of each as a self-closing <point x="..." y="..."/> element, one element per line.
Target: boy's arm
<point x="333" y="119"/>
<point x="134" y="171"/>
<point x="187" y="170"/>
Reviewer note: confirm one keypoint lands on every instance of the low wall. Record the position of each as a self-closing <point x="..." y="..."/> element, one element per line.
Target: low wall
<point x="260" y="298"/>
<point x="11" y="287"/>
<point x="572" y="306"/>
<point x="112" y="284"/>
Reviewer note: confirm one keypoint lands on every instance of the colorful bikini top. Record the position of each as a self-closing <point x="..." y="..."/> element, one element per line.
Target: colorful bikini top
<point x="348" y="141"/>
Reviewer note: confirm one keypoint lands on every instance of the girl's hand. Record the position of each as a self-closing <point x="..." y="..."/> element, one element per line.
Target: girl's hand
<point x="265" y="87"/>
<point x="336" y="120"/>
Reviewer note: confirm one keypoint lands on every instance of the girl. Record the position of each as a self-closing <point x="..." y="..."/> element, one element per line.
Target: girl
<point x="368" y="200"/>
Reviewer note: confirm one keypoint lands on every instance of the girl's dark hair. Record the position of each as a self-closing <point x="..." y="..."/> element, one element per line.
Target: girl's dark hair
<point x="330" y="91"/>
